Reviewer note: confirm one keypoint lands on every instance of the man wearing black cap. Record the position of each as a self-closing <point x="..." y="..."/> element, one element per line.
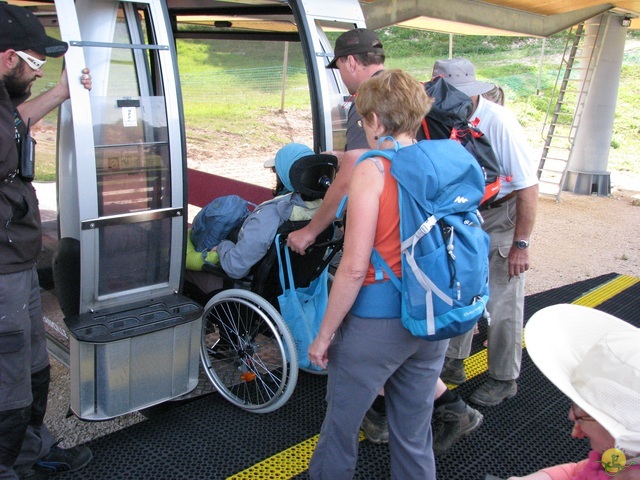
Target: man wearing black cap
<point x="358" y="55"/>
<point x="27" y="448"/>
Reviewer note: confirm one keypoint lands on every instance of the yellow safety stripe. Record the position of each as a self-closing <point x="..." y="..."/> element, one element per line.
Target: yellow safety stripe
<point x="606" y="291"/>
<point x="478" y="363"/>
<point x="284" y="465"/>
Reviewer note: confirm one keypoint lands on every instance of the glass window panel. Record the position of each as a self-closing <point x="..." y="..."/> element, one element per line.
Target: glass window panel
<point x="133" y="167"/>
<point x="132" y="156"/>
<point x="243" y="100"/>
<point x="340" y="103"/>
<point x="138" y="255"/>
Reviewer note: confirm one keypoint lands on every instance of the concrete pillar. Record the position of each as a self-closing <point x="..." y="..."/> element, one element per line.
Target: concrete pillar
<point x="587" y="170"/>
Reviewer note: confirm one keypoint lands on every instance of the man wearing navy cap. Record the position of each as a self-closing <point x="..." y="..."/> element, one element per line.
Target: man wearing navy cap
<point x="27" y="448"/>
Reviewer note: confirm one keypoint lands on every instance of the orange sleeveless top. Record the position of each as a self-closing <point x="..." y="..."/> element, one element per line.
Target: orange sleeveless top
<point x="387" y="239"/>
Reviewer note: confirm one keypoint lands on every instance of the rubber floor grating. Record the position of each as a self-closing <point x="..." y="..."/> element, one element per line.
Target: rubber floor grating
<point x="208" y="438"/>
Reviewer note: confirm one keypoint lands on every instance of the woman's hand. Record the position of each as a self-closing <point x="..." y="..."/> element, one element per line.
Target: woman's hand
<point x="318" y="352"/>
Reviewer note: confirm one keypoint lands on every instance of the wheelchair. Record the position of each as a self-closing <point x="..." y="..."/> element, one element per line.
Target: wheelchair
<point x="248" y="352"/>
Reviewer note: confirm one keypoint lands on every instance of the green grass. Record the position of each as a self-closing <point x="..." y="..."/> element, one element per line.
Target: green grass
<point x="217" y="75"/>
<point x="512" y="62"/>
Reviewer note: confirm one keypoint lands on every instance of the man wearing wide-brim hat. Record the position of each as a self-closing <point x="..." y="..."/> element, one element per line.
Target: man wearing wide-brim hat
<point x="509" y="222"/>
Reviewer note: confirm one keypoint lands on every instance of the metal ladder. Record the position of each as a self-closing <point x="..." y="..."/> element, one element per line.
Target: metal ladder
<point x="565" y="108"/>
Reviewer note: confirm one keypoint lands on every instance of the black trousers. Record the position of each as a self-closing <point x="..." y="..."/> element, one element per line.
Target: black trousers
<point x="14" y="423"/>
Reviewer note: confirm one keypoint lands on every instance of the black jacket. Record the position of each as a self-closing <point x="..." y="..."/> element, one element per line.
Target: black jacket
<point x="20" y="227"/>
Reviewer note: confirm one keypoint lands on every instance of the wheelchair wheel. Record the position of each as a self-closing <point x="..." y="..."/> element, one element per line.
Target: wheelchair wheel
<point x="247" y="351"/>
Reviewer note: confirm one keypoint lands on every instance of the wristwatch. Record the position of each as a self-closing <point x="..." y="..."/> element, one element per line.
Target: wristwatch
<point x="521" y="244"/>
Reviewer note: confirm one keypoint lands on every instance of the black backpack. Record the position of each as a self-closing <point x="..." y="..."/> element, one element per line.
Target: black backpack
<point x="449" y="118"/>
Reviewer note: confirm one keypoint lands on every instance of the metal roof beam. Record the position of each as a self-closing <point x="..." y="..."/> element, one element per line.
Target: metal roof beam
<point x="383" y="13"/>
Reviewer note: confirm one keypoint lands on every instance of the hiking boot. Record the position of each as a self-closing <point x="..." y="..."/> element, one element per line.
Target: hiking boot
<point x="453" y="421"/>
<point x="494" y="392"/>
<point x="453" y="371"/>
<point x="31" y="475"/>
<point x="62" y="460"/>
<point x="375" y="428"/>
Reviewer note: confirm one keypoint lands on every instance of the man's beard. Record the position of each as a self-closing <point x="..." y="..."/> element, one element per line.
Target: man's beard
<point x="17" y="87"/>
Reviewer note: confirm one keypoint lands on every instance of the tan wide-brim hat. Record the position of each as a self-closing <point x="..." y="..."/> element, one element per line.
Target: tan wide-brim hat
<point x="594" y="359"/>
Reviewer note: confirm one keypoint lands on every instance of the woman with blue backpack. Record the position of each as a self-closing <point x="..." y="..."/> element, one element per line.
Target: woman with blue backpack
<point x="364" y="348"/>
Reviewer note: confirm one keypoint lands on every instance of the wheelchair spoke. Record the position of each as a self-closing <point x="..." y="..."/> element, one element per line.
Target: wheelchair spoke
<point x="244" y="354"/>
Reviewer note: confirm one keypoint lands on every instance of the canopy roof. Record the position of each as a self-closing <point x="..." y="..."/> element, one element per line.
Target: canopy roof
<point x="493" y="17"/>
<point x="469" y="17"/>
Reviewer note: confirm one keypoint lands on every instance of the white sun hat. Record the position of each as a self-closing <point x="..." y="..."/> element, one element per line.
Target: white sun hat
<point x="594" y="359"/>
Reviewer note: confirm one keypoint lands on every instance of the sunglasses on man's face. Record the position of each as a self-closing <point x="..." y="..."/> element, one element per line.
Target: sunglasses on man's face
<point x="32" y="61"/>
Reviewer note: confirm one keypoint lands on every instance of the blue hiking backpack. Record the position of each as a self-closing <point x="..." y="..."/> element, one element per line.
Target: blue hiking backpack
<point x="445" y="253"/>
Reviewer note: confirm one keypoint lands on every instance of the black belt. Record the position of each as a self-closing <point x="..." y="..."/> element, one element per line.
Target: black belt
<point x="499" y="202"/>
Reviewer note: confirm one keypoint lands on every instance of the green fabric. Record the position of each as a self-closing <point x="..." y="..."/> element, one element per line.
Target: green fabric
<point x="194" y="260"/>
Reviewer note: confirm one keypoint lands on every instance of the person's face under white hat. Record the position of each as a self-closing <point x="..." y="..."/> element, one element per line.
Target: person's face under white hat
<point x="585" y="426"/>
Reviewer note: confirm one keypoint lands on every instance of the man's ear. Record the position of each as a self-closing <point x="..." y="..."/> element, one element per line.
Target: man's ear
<point x="376" y="124"/>
<point x="8" y="60"/>
<point x="352" y="63"/>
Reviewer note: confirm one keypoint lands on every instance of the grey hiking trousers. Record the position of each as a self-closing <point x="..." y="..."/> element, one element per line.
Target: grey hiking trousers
<point x="366" y="355"/>
<point x="506" y="302"/>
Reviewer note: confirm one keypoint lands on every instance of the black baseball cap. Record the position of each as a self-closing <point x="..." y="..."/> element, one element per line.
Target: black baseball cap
<point x="358" y="40"/>
<point x="21" y="30"/>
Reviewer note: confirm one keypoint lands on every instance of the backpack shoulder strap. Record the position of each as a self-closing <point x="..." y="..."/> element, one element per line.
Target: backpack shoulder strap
<point x="388" y="154"/>
<point x="425" y="128"/>
<point x="379" y="263"/>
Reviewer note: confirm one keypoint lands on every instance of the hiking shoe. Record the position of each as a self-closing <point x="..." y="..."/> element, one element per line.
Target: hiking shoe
<point x="453" y="421"/>
<point x="31" y="475"/>
<point x="375" y="428"/>
<point x="63" y="460"/>
<point x="453" y="371"/>
<point x="494" y="392"/>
